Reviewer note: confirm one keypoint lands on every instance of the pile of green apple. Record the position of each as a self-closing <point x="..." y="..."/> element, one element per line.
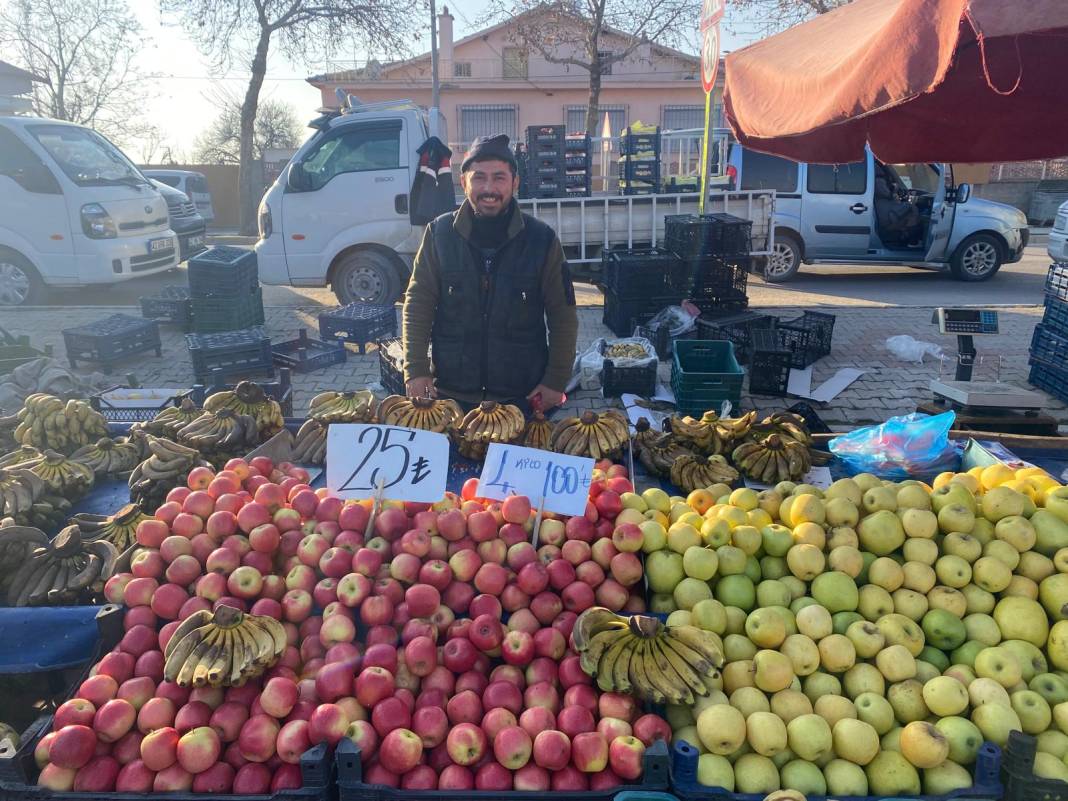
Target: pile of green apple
<point x="875" y="634"/>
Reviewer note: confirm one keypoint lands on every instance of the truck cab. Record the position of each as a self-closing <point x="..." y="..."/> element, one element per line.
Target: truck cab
<point x="848" y="213"/>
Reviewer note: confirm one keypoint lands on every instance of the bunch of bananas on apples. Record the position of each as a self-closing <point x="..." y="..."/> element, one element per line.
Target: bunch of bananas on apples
<point x="776" y="449"/>
<point x="710" y="435"/>
<point x="120" y="529"/>
<point x="165" y="468"/>
<point x="168" y="422"/>
<point x="309" y="445"/>
<point x="224" y="648"/>
<point x="488" y="422"/>
<point x="220" y="435"/>
<point x="249" y="398"/>
<point x="600" y="435"/>
<point x="426" y="414"/>
<point x="45" y="421"/>
<point x="109" y="456"/>
<point x="691" y="472"/>
<point x="343" y="407"/>
<point x="641" y="656"/>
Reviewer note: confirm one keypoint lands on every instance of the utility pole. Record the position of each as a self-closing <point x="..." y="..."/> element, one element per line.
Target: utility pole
<point x="435" y="92"/>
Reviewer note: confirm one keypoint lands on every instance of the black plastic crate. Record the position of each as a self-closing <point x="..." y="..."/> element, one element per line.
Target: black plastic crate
<point x="1057" y="282"/>
<point x="644" y="170"/>
<point x="111" y="339"/>
<point x="390" y="370"/>
<point x="622" y="315"/>
<point x="1049" y="347"/>
<point x="542" y="136"/>
<point x="1049" y="378"/>
<point x="577" y="144"/>
<point x="1018" y="773"/>
<point x="615" y="381"/>
<point x="812" y="419"/>
<point x="358" y="323"/>
<point x="218" y="313"/>
<point x="655" y="778"/>
<point x="769" y="364"/>
<point x="631" y="143"/>
<point x="808" y="337"/>
<point x="639" y="272"/>
<point x="547" y="191"/>
<point x="233" y="352"/>
<point x="17" y="350"/>
<point x="223" y="270"/>
<point x="577" y="162"/>
<point x="708" y="234"/>
<point x="638" y="190"/>
<point x="662" y="340"/>
<point x="142" y="412"/>
<point x="735" y="327"/>
<point x="280" y="390"/>
<point x="1055" y="317"/>
<point x="712" y="274"/>
<point x="172" y="305"/>
<point x="305" y="355"/>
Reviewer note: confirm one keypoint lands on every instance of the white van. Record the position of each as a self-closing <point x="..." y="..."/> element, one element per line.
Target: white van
<point x="74" y="211"/>
<point x="194" y="184"/>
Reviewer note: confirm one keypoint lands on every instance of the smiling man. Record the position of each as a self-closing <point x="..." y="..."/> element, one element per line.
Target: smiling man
<point x="492" y="293"/>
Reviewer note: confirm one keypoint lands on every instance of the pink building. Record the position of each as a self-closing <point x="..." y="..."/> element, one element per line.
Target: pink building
<point x="489" y="85"/>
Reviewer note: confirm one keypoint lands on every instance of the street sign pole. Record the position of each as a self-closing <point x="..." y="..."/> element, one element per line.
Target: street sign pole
<point x="711" y="13"/>
<point x="706" y="154"/>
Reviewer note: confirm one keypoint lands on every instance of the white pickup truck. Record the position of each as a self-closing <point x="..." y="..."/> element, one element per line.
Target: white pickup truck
<point x="339" y="212"/>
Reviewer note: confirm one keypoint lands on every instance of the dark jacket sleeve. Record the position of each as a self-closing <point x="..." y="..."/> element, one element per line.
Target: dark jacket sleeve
<point x="561" y="317"/>
<point x="420" y="306"/>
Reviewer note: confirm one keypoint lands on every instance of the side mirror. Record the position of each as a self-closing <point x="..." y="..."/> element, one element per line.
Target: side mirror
<point x="297" y="179"/>
<point x="964" y="191"/>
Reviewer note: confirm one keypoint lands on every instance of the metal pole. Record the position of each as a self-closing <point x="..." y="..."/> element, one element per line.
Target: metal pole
<point x="435" y="91"/>
<point x="705" y="154"/>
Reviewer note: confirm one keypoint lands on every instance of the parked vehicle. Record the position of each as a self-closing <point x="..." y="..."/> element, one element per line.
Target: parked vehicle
<point x="185" y="221"/>
<point x="827" y="214"/>
<point x="74" y="211"/>
<point x="1057" y="247"/>
<point x="338" y="213"/>
<point x="194" y="184"/>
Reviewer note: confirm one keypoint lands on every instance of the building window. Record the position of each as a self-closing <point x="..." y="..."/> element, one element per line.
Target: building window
<point x="515" y="63"/>
<point x="605" y="56"/>
<point x="575" y="119"/>
<point x="461" y="69"/>
<point x="478" y="121"/>
<point x="681" y="118"/>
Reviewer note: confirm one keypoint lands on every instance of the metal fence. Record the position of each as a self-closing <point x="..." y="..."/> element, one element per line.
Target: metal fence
<point x="1030" y="170"/>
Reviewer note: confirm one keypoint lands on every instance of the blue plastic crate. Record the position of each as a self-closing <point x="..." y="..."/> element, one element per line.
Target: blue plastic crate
<point x="223" y="271"/>
<point x="1049" y="378"/>
<point x="232" y="352"/>
<point x="1057" y="282"/>
<point x="1055" y="317"/>
<point x="111" y="339"/>
<point x="358" y="323"/>
<point x="172" y="305"/>
<point x="304" y="354"/>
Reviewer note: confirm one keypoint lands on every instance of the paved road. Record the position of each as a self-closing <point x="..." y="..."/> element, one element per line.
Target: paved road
<point x="849" y="285"/>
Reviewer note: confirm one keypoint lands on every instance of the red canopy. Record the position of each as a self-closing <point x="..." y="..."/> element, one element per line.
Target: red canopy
<point x="919" y="80"/>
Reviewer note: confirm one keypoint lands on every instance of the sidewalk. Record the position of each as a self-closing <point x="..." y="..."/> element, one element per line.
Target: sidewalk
<point x="888" y="387"/>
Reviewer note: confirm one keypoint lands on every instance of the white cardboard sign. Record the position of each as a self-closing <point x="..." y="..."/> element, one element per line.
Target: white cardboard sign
<point x="562" y="481"/>
<point x="410" y="464"/>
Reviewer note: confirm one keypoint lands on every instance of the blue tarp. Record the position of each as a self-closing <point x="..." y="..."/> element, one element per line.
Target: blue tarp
<point x="36" y="639"/>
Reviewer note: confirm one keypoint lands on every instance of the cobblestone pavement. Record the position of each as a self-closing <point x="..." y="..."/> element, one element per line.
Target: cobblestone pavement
<point x="888" y="387"/>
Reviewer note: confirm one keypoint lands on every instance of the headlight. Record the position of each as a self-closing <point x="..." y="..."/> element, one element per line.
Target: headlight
<point x="97" y="223"/>
<point x="264" y="221"/>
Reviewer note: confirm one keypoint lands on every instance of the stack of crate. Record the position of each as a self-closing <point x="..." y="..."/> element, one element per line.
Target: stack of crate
<point x="546" y="162"/>
<point x="225" y="287"/>
<point x="1049" y="345"/>
<point x="716" y="249"/>
<point x="578" y="158"/>
<point x="639" y="160"/>
<point x="638" y="283"/>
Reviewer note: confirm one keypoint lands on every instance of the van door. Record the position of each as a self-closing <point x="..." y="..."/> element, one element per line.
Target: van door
<point x="943" y="210"/>
<point x="837" y="210"/>
<point x="355" y="176"/>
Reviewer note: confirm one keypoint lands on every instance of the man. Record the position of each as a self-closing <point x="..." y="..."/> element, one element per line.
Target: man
<point x="492" y="293"/>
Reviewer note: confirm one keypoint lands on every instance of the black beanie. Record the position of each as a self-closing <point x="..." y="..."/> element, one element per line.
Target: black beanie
<point x="485" y="148"/>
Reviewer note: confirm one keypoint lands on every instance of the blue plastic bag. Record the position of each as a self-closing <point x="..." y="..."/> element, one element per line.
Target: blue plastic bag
<point x="902" y="447"/>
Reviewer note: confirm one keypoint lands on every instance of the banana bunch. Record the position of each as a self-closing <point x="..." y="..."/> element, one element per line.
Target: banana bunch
<point x="168" y="421"/>
<point x="222" y="649"/>
<point x="598" y="435"/>
<point x="659" y="453"/>
<point x="16" y="544"/>
<point x="309" y="446"/>
<point x="47" y="422"/>
<point x="772" y="459"/>
<point x="165" y="468"/>
<point x="109" y="456"/>
<point x="220" y="435"/>
<point x="343" y="407"/>
<point x="8" y="424"/>
<point x="120" y="529"/>
<point x="643" y="657"/>
<point x="426" y="414"/>
<point x="23" y="453"/>
<point x="20" y="489"/>
<point x="65" y="571"/>
<point x="249" y="398"/>
<point x="625" y="350"/>
<point x="787" y="425"/>
<point x="690" y="472"/>
<point x="538" y="432"/>
<point x="488" y="422"/>
<point x="62" y="474"/>
<point x="644" y="433"/>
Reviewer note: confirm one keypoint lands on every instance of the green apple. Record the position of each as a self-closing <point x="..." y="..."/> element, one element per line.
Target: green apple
<point x="1053" y="742"/>
<point x="700" y="563"/>
<point x="748" y="538"/>
<point x="918" y="523"/>
<point x="965" y="654"/>
<point x="807" y="509"/>
<point x="1053" y="594"/>
<point x="1001" y="502"/>
<point x="995" y="721"/>
<point x="777" y="539"/>
<point x="654" y="536"/>
<point x="689" y="591"/>
<point x="737" y="647"/>
<point x="844" y="488"/>
<point x="983" y="530"/>
<point x="689" y="735"/>
<point x="842" y="512"/>
<point x="843" y="620"/>
<point x="919" y="577"/>
<point x="890" y="774"/>
<point x="664" y="571"/>
<point x="803" y="654"/>
<point x="952" y="517"/>
<point x="709" y="615"/>
<point x="950" y="494"/>
<point x="678" y="716"/>
<point x="680" y="617"/>
<point x="978" y="599"/>
<point x="855" y="741"/>
<point x="881" y="533"/>
<point x="773" y="593"/>
<point x="906" y="697"/>
<point x="876" y="711"/>
<point x="1032" y="660"/>
<point x="1049" y="767"/>
<point x="945" y="696"/>
<point x="943" y="629"/>
<point x="807" y="489"/>
<point x="721" y="729"/>
<point x="1003" y="552"/>
<point x="819" y="684"/>
<point x="749" y="700"/>
<point x="913" y="496"/>
<point x="900" y="630"/>
<point x="804" y="777"/>
<point x="863" y="678"/>
<point x="879" y="499"/>
<point x="715" y="771"/>
<point x="866" y="481"/>
<point x="862" y="576"/>
<point x="1016" y="531"/>
<point x="737" y="590"/>
<point x="963" y="736"/>
<point x="874" y="602"/>
<point x="1051" y="687"/>
<point x="789" y="704"/>
<point x="662" y="603"/>
<point x="866" y="638"/>
<point x="933" y="657"/>
<point x="1051" y="533"/>
<point x="715" y="533"/>
<point x="755" y="774"/>
<point x="766" y="733"/>
<point x="1000" y="664"/>
<point x="924" y="551"/>
<point x="798" y="588"/>
<point x="814" y="621"/>
<point x="735" y="619"/>
<point x="842" y="535"/>
<point x="835" y="591"/>
<point x="1057" y="502"/>
<point x="891" y="741"/>
<point x="752" y="569"/>
<point x="1036" y="566"/>
<point x="925" y="671"/>
<point x="701" y="703"/>
<point x="845" y="779"/>
<point x="1057" y="647"/>
<point x="810" y="737"/>
<point x="945" y="779"/>
<point x="833" y="708"/>
<point x="965" y="546"/>
<point x="769" y="501"/>
<point x="773" y="567"/>
<point x="1034" y="713"/>
<point x="992" y="574"/>
<point x="962" y="673"/>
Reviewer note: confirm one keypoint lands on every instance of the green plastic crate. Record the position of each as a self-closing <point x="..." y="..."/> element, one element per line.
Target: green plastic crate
<point x="704" y="373"/>
<point x="214" y="314"/>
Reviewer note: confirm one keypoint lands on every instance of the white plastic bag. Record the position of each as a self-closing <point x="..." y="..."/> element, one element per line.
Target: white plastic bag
<point x="912" y="350"/>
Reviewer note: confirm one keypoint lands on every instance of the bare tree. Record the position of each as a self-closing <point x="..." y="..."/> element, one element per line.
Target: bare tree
<point x="88" y="51"/>
<point x="246" y="29"/>
<point x="592" y="35"/>
<point x="276" y="126"/>
<point x="772" y="16"/>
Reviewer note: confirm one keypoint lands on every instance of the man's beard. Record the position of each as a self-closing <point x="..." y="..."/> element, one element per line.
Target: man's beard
<point x="502" y="205"/>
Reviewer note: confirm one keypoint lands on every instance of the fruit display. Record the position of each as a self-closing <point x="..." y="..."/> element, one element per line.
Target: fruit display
<point x="309" y="445"/>
<point x="772" y="459"/>
<point x="119" y="529"/>
<point x="538" y="432"/>
<point x="46" y="422"/>
<point x="690" y="472"/>
<point x="710" y="436"/>
<point x="343" y="407"/>
<point x="166" y="467"/>
<point x="168" y="422"/>
<point x="488" y="422"/>
<point x="62" y="475"/>
<point x="249" y="398"/>
<point x="222" y="648"/>
<point x="62" y="571"/>
<point x="600" y="435"/>
<point x="639" y="655"/>
<point x="220" y="435"/>
<point x="426" y="414"/>
<point x="107" y="456"/>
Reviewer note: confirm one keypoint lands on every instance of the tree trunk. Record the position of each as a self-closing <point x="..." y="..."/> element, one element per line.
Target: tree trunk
<point x="247" y="180"/>
<point x="593" y="124"/>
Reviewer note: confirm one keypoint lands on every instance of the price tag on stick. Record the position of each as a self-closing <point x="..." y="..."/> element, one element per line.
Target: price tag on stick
<point x="562" y="481"/>
<point x="408" y="464"/>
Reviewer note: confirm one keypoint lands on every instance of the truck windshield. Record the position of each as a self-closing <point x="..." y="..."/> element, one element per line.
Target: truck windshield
<point x="86" y="157"/>
<point x="921" y="177"/>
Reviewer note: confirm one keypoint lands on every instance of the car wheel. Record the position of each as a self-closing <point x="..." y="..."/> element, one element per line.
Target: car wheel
<point x="977" y="258"/>
<point x="784" y="261"/>
<point x="366" y="276"/>
<point x="20" y="285"/>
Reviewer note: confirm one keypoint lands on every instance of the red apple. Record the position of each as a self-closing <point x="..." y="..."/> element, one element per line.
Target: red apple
<point x="456" y="777"/>
<point x="256" y="741"/>
<point x="650" y="728"/>
<point x="252" y="779"/>
<point x="575" y="720"/>
<point x="72" y="747"/>
<point x="159" y="749"/>
<point x="420" y="655"/>
<point x="486" y="633"/>
<point x="492" y="776"/>
<point x="617" y="705"/>
<point x="191" y="716"/>
<point x="517" y="648"/>
<point x="466" y="743"/>
<point x="134" y="777"/>
<point x="400" y="750"/>
<point x="199" y="749"/>
<point x="547" y="605"/>
<point x="75" y="712"/>
<point x="157" y="713"/>
<point x="465" y="707"/>
<point x="390" y="714"/>
<point x="536" y="720"/>
<point x="374" y="684"/>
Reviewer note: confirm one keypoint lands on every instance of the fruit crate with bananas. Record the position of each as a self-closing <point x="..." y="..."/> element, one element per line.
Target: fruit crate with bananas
<point x="231" y="352"/>
<point x="111" y="339"/>
<point x="358" y="323"/>
<point x="704" y="374"/>
<point x="280" y="390"/>
<point x="306" y="355"/>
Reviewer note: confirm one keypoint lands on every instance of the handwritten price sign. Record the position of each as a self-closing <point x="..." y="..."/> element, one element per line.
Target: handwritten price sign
<point x="563" y="481"/>
<point x="410" y="465"/>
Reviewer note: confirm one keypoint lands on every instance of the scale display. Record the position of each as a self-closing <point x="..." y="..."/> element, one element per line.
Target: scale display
<point x="970" y="322"/>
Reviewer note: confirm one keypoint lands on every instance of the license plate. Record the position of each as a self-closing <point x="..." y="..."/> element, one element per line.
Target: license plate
<point x="156" y="245"/>
<point x="196" y="241"/>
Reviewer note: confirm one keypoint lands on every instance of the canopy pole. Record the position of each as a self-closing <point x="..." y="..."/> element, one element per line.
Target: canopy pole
<point x="705" y="155"/>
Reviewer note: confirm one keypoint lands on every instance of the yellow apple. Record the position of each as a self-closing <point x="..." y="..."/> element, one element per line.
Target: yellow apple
<point x="833" y="708"/>
<point x="1022" y="619"/>
<point x="1034" y="713"/>
<point x="886" y="573"/>
<point x="842" y="535"/>
<point x="923" y="551"/>
<point x="999" y="502"/>
<point x="945" y="696"/>
<point x="810" y="737"/>
<point x="906" y="697"/>
<point x="863" y="678"/>
<point x="803" y="654"/>
<point x="772" y="671"/>
<point x="766" y="733"/>
<point x="965" y="546"/>
<point x="755" y="774"/>
<point x="815" y="622"/>
<point x="949" y="599"/>
<point x="714" y="770"/>
<point x="995" y="721"/>
<point x="890" y="774"/>
<point x="875" y="710"/>
<point x="923" y="745"/>
<point x="963" y="736"/>
<point x="845" y="779"/>
<point x="721" y="729"/>
<point x="919" y="577"/>
<point x="945" y="779"/>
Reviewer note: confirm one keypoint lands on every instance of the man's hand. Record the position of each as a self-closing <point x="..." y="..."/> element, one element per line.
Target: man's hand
<point x="549" y="397"/>
<point x="421" y="388"/>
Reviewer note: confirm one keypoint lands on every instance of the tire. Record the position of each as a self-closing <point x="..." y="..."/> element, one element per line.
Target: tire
<point x="366" y="276"/>
<point x="977" y="258"/>
<point x="20" y="284"/>
<point x="784" y="261"/>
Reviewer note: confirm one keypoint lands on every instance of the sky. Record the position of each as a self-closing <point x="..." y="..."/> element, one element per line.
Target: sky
<point x="187" y="93"/>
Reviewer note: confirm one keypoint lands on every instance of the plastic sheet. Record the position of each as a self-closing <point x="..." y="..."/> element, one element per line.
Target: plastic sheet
<point x="46" y="638"/>
<point x="909" y="349"/>
<point x="903" y="447"/>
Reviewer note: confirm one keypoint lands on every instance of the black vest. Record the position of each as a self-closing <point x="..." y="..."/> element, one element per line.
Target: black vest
<point x="489" y="335"/>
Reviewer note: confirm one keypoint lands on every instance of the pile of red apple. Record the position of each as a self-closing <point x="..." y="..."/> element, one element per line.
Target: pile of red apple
<point x="396" y="641"/>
